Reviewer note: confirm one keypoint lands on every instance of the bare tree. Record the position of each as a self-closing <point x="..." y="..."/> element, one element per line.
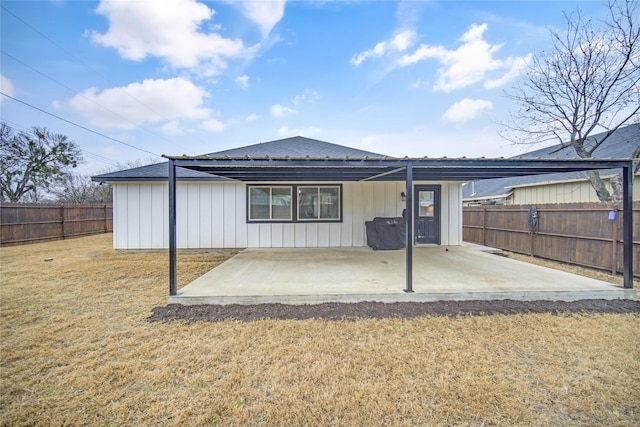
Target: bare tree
<point x="589" y="83"/>
<point x="78" y="188"/>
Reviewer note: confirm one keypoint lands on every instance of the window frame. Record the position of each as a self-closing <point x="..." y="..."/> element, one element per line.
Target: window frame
<point x="319" y="192"/>
<point x="294" y="204"/>
<point x="270" y="219"/>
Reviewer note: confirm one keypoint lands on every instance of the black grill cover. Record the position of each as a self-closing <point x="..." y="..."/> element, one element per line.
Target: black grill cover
<point x="386" y="233"/>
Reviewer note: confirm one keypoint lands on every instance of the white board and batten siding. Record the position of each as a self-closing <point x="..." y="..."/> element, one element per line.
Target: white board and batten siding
<point x="213" y="215"/>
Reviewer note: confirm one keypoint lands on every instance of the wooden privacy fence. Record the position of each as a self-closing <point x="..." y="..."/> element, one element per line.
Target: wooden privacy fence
<point x="585" y="234"/>
<point x="22" y="223"/>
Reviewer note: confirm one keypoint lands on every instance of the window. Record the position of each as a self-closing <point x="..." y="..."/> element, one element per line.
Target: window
<point x="294" y="203"/>
<point x="270" y="204"/>
<point x="426" y="203"/>
<point x="318" y="203"/>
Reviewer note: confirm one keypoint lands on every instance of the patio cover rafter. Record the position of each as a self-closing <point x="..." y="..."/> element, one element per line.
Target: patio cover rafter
<point x="381" y="169"/>
<point x="409" y="170"/>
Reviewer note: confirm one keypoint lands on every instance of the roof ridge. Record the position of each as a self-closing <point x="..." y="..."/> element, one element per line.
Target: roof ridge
<point x="284" y="146"/>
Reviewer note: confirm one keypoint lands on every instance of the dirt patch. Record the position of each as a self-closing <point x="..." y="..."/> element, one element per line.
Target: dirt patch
<point x="379" y="310"/>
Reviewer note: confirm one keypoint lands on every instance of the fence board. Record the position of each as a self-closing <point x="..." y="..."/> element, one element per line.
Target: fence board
<point x="23" y="223"/>
<point x="575" y="233"/>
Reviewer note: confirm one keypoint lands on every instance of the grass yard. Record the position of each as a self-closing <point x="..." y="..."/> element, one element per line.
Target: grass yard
<point x="76" y="349"/>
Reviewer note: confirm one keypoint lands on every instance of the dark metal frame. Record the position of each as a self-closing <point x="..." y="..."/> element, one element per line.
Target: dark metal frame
<point x="310" y="170"/>
<point x="627" y="225"/>
<point x="409" y="220"/>
<point x="173" y="262"/>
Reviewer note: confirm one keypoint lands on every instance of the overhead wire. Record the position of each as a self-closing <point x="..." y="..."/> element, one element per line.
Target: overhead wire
<point x="50" y="40"/>
<point x="75" y="92"/>
<point x="89" y="154"/>
<point x="66" y="87"/>
<point x="79" y="126"/>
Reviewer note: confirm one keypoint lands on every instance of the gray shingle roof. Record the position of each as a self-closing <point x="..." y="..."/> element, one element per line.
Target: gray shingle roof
<point x="297" y="146"/>
<point x="620" y="145"/>
<point x="156" y="172"/>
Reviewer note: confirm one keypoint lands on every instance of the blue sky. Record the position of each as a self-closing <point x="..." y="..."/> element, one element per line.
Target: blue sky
<point x="416" y="78"/>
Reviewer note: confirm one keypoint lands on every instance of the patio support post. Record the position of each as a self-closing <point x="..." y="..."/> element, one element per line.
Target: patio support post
<point x="627" y="224"/>
<point x="173" y="274"/>
<point x="409" y="221"/>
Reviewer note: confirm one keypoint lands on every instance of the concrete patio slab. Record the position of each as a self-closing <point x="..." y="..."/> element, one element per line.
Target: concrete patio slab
<point x="314" y="276"/>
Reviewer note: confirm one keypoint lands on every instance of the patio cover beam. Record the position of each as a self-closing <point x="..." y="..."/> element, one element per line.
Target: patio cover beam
<point x="409" y="221"/>
<point x="560" y="165"/>
<point x="173" y="271"/>
<point x="383" y="174"/>
<point x="347" y="169"/>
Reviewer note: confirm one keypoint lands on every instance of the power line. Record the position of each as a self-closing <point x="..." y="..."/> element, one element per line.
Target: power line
<point x="18" y="128"/>
<point x="99" y="158"/>
<point x="64" y="86"/>
<point x="81" y="94"/>
<point x="80" y="126"/>
<point x="86" y="65"/>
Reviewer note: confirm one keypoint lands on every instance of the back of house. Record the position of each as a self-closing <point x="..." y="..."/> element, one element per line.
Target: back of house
<point x="218" y="212"/>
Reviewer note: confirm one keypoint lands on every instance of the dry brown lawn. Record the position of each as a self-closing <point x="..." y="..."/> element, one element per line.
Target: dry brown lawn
<point x="76" y="348"/>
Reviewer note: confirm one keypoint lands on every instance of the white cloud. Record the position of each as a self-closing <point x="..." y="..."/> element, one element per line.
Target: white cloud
<point x="251" y="117"/>
<point x="467" y="64"/>
<point x="517" y="66"/>
<point x="309" y="96"/>
<point x="399" y="43"/>
<point x="419" y="84"/>
<point x="473" y="61"/>
<point x="279" y="110"/>
<point x="422" y="53"/>
<point x="172" y="128"/>
<point x="169" y="30"/>
<point x="6" y="87"/>
<point x="265" y="14"/>
<point x="243" y="81"/>
<point x="467" y="109"/>
<point x="213" y="125"/>
<point x="308" y="131"/>
<point x="152" y="101"/>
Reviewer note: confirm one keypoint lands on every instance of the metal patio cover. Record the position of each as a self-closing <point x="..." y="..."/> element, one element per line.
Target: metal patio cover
<point x="346" y="169"/>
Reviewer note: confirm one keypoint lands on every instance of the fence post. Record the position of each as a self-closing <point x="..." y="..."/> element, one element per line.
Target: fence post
<point x="484" y="226"/>
<point x="106" y="228"/>
<point x="64" y="234"/>
<point x="614" y="238"/>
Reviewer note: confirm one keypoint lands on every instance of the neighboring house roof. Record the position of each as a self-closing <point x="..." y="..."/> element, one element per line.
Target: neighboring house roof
<point x="620" y="145"/>
<point x="297" y="146"/>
